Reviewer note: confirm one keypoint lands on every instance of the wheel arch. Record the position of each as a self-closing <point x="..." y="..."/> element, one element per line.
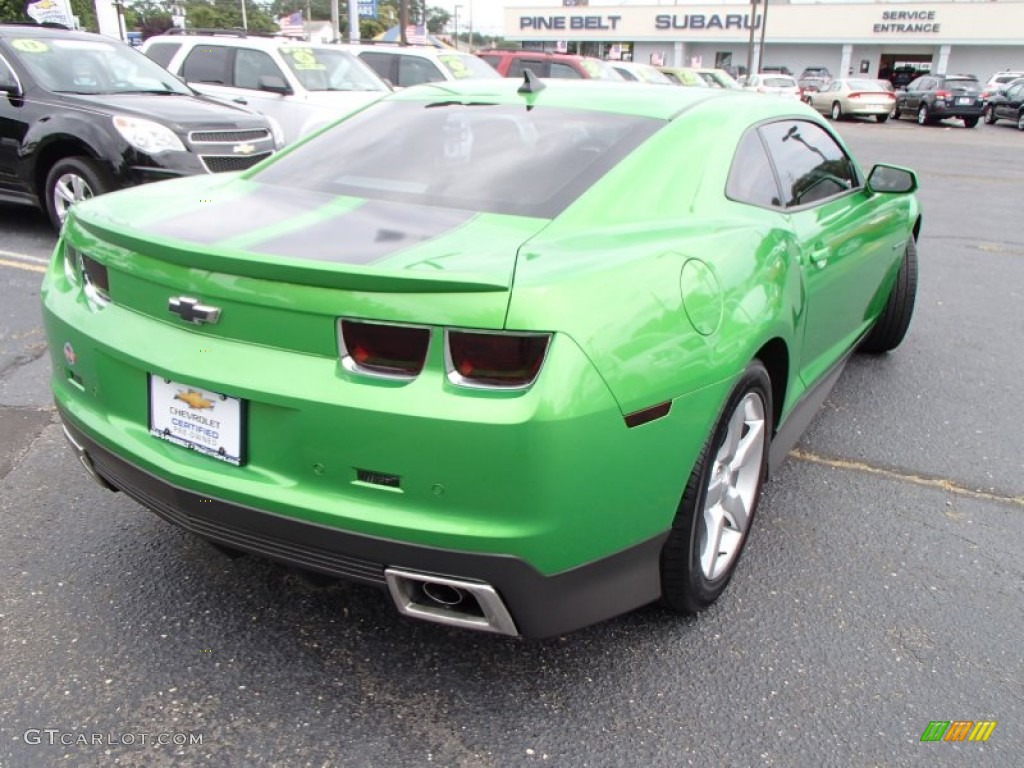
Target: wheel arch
<point x="774" y="355"/>
<point x="53" y="153"/>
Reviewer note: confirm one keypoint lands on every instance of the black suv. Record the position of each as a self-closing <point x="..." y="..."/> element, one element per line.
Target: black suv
<point x="82" y="114"/>
<point x="934" y="97"/>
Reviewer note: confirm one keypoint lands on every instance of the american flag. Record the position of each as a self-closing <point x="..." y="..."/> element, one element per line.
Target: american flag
<point x="292" y="24"/>
<point x="416" y="34"/>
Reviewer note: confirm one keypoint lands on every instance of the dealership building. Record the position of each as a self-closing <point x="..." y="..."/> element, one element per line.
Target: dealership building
<point x="866" y="38"/>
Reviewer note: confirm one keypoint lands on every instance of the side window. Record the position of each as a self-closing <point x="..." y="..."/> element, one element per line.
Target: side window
<point x="915" y="85"/>
<point x="251" y="65"/>
<point x="751" y="178"/>
<point x="162" y="53"/>
<point x="379" y="63"/>
<point x="413" y="70"/>
<point x="558" y="69"/>
<point x="1013" y="93"/>
<point x="810" y="164"/>
<point x="494" y="61"/>
<point x="207" y="64"/>
<point x="515" y="69"/>
<point x="7" y="77"/>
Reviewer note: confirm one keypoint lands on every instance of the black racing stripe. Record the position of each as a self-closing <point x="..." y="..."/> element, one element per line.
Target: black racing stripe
<point x="265" y="206"/>
<point x="365" y="234"/>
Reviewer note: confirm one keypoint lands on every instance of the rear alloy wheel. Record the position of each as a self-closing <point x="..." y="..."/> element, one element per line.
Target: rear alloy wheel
<point x="970" y="122"/>
<point x="837" y="111"/>
<point x="891" y="326"/>
<point x="922" y="116"/>
<point x="711" y="525"/>
<point x="989" y="116"/>
<point x="72" y="180"/>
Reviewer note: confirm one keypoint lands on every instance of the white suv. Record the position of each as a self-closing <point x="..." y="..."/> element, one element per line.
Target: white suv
<point x="405" y="65"/>
<point x="300" y="86"/>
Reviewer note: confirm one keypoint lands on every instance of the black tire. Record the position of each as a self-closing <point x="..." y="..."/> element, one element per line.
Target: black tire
<point x="881" y="118"/>
<point x="1020" y="122"/>
<point x="837" y="111"/>
<point x="970" y="122"/>
<point x="896" y="112"/>
<point x="891" y="326"/>
<point x="989" y="116"/>
<point x="91" y="179"/>
<point x="923" y="118"/>
<point x="685" y="585"/>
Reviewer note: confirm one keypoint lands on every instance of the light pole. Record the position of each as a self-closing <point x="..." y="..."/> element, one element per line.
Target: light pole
<point x="245" y="22"/>
<point x="764" y="25"/>
<point x="457" y="6"/>
<point x="750" y="44"/>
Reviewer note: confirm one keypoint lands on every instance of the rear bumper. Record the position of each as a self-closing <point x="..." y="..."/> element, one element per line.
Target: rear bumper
<point x="538" y="605"/>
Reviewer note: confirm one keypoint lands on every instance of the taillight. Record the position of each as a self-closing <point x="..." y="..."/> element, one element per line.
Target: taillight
<point x="943" y="95"/>
<point x="494" y="360"/>
<point x="394" y="351"/>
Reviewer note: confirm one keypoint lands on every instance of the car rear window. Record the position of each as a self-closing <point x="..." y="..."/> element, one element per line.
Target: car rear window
<point x="866" y="85"/>
<point x="780" y="82"/>
<point x="962" y="83"/>
<point x="497" y="158"/>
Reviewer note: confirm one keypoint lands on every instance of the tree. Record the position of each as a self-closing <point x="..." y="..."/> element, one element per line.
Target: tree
<point x="437" y="20"/>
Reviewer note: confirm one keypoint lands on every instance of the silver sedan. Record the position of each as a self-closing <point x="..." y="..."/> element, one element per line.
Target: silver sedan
<point x="853" y="96"/>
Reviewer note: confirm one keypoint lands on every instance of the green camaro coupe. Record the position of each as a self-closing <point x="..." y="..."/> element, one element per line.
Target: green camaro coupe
<point x="520" y="354"/>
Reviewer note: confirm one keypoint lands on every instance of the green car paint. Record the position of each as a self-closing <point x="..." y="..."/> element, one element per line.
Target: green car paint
<point x="656" y="288"/>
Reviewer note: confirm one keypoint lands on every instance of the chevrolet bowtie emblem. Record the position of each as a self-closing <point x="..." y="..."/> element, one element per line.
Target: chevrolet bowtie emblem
<point x="191" y="311"/>
<point x="244" y="149"/>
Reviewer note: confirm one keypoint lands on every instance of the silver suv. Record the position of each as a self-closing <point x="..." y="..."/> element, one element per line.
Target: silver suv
<point x="300" y="86"/>
<point x="407" y="65"/>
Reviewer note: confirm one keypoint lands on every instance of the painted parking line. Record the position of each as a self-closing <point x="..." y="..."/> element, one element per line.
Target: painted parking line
<point x="22" y="265"/>
<point x="944" y="484"/>
<point x="23" y="257"/>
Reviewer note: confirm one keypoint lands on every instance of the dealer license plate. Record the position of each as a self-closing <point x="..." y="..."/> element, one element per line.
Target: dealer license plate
<point x="965" y="100"/>
<point x="196" y="418"/>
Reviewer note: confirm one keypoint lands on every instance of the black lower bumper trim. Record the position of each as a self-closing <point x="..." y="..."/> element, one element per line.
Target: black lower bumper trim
<point x="540" y="605"/>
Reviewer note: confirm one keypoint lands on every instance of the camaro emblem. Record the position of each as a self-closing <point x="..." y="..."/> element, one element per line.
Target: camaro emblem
<point x="191" y="311"/>
<point x="244" y="149"/>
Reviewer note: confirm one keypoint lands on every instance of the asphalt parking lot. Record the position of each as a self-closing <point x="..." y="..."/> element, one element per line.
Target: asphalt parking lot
<point x="883" y="587"/>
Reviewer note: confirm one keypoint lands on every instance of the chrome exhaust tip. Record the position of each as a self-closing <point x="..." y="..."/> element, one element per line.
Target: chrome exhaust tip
<point x="83" y="458"/>
<point x="446" y="600"/>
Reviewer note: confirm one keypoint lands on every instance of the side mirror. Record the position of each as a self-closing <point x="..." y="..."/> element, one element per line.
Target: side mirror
<point x="892" y="179"/>
<point x="11" y="89"/>
<point x="275" y="84"/>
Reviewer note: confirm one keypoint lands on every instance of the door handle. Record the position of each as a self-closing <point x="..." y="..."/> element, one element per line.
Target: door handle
<point x="819" y="257"/>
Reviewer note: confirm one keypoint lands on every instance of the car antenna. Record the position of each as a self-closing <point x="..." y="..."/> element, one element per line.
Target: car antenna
<point x="531" y="83"/>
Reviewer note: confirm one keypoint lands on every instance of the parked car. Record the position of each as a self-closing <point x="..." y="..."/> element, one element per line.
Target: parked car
<point x="1008" y="105"/>
<point x="935" y="97"/>
<point x="718" y="78"/>
<point x="638" y="72"/>
<point x="685" y="76"/>
<point x="82" y="114"/>
<point x="853" y="97"/>
<point x="546" y="64"/>
<point x="300" y="85"/>
<point x="406" y="65"/>
<point x="775" y="70"/>
<point x="998" y="83"/>
<point x="774" y="85"/>
<point x="814" y="79"/>
<point x="903" y="76"/>
<point x="1001" y="80"/>
<point x="473" y="353"/>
